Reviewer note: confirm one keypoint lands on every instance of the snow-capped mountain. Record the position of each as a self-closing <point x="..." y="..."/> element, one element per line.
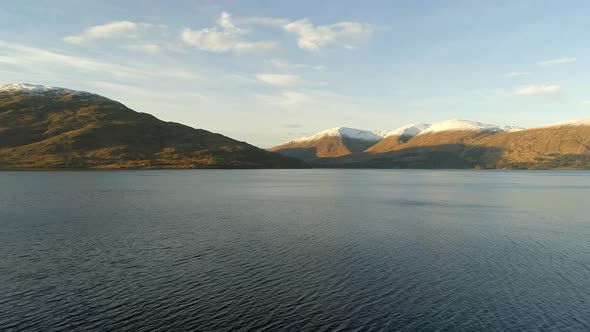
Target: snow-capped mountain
<point x="342" y="141"/>
<point x="447" y="144"/>
<point x="344" y="132"/>
<point x="410" y="130"/>
<point x="453" y="143"/>
<point x="331" y="143"/>
<point x="37" y="90"/>
<point x="398" y="137"/>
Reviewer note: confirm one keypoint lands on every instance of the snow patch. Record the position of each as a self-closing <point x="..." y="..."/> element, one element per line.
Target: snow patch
<point x="410" y="130"/>
<point x="466" y="125"/>
<point x="37" y="90"/>
<point x="365" y="135"/>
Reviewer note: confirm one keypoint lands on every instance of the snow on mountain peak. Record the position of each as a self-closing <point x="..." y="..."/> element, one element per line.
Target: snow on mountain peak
<point x="410" y="130"/>
<point x="35" y="90"/>
<point x="365" y="135"/>
<point x="465" y="125"/>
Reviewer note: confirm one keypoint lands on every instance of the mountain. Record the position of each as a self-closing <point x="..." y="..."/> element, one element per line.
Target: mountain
<point x="46" y="127"/>
<point x="468" y="144"/>
<point x="335" y="142"/>
<point x="398" y="137"/>
<point x="565" y="144"/>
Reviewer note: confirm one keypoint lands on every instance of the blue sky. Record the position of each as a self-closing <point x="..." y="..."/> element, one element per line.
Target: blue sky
<point x="269" y="71"/>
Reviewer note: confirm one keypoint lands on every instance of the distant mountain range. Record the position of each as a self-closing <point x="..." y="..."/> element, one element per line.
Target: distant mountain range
<point x="449" y="144"/>
<point x="46" y="127"/>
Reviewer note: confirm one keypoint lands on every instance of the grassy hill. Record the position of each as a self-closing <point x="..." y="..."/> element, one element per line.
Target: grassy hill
<point x="69" y="129"/>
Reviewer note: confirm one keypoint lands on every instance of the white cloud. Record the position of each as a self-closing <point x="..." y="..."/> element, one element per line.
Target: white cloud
<point x="214" y="40"/>
<point x="270" y="21"/>
<point x="554" y="62"/>
<point x="225" y="38"/>
<point x="105" y="31"/>
<point x="225" y="21"/>
<point x="312" y="38"/>
<point x="139" y="37"/>
<point x="145" y="48"/>
<point x="517" y="74"/>
<point x="538" y="90"/>
<point x="277" y="79"/>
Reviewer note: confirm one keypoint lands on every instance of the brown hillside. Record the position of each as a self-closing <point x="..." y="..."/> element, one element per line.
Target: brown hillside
<point x="389" y="143"/>
<point x="546" y="148"/>
<point x="534" y="144"/>
<point x="325" y="147"/>
<point x="82" y="130"/>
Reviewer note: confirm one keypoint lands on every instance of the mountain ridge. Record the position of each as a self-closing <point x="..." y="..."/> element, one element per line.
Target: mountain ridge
<point x="464" y="144"/>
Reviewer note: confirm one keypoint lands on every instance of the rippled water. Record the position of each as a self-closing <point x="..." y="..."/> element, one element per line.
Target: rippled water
<point x="309" y="250"/>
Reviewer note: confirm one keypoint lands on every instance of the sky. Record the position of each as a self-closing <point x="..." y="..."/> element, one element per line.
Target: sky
<point x="267" y="71"/>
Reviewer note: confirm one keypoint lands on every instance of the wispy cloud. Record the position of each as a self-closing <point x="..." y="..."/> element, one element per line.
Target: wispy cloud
<point x="145" y="48"/>
<point x="319" y="98"/>
<point x="284" y="64"/>
<point x="554" y="62"/>
<point x="136" y="37"/>
<point x="37" y="59"/>
<point x="269" y="21"/>
<point x="538" y="90"/>
<point x="311" y="37"/>
<point x="104" y="31"/>
<point x="127" y="89"/>
<point x="517" y="74"/>
<point x="277" y="79"/>
<point x="225" y="37"/>
<point x="285" y="98"/>
<point x="31" y="57"/>
<point x="138" y="91"/>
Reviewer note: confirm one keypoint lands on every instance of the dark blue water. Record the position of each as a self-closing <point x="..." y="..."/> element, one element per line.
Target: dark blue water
<point x="310" y="250"/>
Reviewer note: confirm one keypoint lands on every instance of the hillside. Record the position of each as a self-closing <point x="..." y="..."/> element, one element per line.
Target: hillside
<point x="470" y="144"/>
<point x="398" y="137"/>
<point x="335" y="142"/>
<point x="44" y="127"/>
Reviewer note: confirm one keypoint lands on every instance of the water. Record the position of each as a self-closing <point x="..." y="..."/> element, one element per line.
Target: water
<point x="309" y="250"/>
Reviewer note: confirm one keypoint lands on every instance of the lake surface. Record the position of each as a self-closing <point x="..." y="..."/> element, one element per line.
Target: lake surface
<point x="295" y="250"/>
